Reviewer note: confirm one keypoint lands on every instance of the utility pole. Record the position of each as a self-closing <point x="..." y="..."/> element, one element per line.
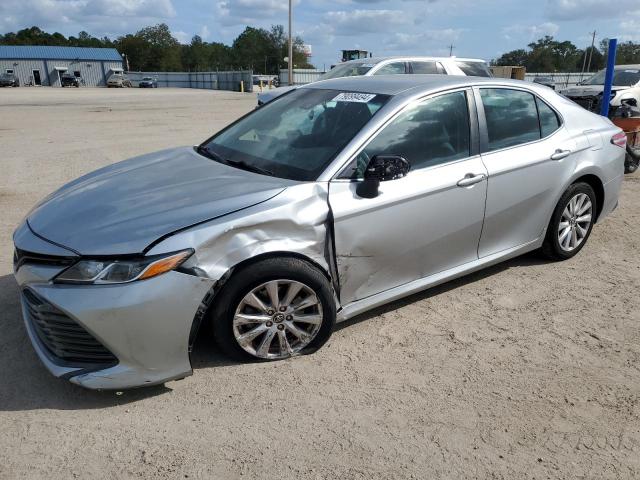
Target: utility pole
<point x="290" y="45"/>
<point x="451" y="50"/>
<point x="593" y="42"/>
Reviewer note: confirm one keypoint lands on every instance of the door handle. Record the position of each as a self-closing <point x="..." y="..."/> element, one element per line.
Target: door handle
<point x="559" y="154"/>
<point x="471" y="179"/>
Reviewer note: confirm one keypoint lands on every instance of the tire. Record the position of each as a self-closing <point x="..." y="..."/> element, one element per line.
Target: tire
<point x="558" y="245"/>
<point x="273" y="323"/>
<point x="632" y="160"/>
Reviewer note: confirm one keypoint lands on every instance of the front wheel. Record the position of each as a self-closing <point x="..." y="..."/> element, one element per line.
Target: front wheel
<point x="274" y="309"/>
<point x="571" y="222"/>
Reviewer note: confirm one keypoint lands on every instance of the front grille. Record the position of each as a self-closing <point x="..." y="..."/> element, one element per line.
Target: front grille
<point x="63" y="337"/>
<point x="20" y="257"/>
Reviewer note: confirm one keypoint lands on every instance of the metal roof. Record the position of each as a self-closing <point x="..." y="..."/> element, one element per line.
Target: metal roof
<point x="30" y="52"/>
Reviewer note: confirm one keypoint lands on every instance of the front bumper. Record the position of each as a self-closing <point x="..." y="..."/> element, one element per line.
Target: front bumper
<point x="146" y="325"/>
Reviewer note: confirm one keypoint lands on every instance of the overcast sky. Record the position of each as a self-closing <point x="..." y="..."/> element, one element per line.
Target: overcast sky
<point x="476" y="28"/>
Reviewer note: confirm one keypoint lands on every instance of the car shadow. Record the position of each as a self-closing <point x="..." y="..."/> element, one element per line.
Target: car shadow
<point x="27" y="385"/>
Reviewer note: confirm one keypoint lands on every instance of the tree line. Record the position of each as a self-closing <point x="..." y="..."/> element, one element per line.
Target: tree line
<point x="550" y="55"/>
<point x="154" y="48"/>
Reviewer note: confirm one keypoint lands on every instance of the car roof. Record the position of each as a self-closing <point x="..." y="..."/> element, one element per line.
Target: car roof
<point x="397" y="84"/>
<point x="406" y="58"/>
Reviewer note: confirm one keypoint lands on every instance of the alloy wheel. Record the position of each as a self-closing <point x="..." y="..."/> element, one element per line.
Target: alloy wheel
<point x="277" y="319"/>
<point x="575" y="222"/>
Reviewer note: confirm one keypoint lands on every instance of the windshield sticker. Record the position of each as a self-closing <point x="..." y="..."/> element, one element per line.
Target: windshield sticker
<point x="368" y="65"/>
<point x="631" y="71"/>
<point x="354" y="97"/>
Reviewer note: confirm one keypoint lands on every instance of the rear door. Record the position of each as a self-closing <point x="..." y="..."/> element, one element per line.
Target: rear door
<point x="424" y="223"/>
<point x="529" y="155"/>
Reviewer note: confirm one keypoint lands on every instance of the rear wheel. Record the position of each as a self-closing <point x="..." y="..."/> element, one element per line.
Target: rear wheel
<point x="274" y="309"/>
<point x="571" y="222"/>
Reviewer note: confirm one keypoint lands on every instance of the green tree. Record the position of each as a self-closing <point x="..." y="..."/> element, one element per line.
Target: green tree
<point x="514" y="58"/>
<point x="544" y="55"/>
<point x="627" y="53"/>
<point x="597" y="60"/>
<point x="154" y="48"/>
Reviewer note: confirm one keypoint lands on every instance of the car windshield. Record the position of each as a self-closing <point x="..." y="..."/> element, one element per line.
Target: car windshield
<point x="350" y="69"/>
<point x="474" y="69"/>
<point x="147" y="79"/>
<point x="295" y="136"/>
<point x="621" y="78"/>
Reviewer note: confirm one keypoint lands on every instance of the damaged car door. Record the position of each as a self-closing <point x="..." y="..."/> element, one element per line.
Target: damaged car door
<point x="411" y="226"/>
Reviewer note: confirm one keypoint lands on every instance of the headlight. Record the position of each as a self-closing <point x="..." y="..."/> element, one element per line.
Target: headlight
<point x="122" y="271"/>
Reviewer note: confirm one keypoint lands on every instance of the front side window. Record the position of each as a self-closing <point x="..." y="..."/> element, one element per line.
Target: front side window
<point x="428" y="133"/>
<point x="395" y="68"/>
<point x="297" y="135"/>
<point x="421" y="68"/>
<point x="512" y="117"/>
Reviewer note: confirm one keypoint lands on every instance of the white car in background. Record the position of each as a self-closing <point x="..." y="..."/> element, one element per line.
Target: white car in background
<point x="626" y="86"/>
<point x="394" y="66"/>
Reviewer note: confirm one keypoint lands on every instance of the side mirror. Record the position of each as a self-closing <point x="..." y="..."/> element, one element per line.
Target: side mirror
<point x="381" y="168"/>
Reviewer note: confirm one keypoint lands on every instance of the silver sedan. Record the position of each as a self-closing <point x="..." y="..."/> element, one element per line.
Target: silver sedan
<point x="331" y="200"/>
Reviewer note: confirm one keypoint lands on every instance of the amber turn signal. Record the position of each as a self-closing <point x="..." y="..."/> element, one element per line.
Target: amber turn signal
<point x="164" y="265"/>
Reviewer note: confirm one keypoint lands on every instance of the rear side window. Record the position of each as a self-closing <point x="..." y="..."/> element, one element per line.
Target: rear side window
<point x="549" y="121"/>
<point x="512" y="117"/>
<point x="474" y="69"/>
<point x="422" y="68"/>
<point x="391" y="69"/>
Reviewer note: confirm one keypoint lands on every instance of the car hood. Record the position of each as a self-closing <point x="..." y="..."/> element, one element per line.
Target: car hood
<point x="269" y="95"/>
<point x="588" y="90"/>
<point x="123" y="208"/>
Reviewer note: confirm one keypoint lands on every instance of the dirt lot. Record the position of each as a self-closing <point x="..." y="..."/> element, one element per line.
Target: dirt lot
<point x="526" y="370"/>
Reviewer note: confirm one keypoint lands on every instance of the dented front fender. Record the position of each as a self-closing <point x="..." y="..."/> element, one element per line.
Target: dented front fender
<point x="296" y="221"/>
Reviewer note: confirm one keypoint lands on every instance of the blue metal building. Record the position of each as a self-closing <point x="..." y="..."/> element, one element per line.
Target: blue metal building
<point x="44" y="65"/>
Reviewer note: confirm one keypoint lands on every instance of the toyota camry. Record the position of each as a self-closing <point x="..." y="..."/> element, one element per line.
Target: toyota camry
<point x="333" y="199"/>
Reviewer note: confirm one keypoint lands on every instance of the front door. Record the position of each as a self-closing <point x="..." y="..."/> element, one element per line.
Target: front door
<point x="529" y="156"/>
<point x="36" y="77"/>
<point x="425" y="223"/>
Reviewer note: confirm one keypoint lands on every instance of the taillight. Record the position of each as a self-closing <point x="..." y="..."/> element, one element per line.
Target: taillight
<point x="619" y="139"/>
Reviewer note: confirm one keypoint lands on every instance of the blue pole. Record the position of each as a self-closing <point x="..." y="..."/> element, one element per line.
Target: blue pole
<point x="608" y="79"/>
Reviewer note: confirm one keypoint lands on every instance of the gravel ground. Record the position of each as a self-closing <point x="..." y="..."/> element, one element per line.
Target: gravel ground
<point x="528" y="369"/>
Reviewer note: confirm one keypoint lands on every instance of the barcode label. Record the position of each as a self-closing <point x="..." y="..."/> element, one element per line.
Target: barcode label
<point x="354" y="97"/>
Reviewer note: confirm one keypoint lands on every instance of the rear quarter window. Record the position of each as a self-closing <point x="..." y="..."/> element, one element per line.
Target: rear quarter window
<point x="549" y="121"/>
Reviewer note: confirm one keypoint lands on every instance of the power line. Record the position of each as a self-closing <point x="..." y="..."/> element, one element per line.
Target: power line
<point x="593" y="41"/>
